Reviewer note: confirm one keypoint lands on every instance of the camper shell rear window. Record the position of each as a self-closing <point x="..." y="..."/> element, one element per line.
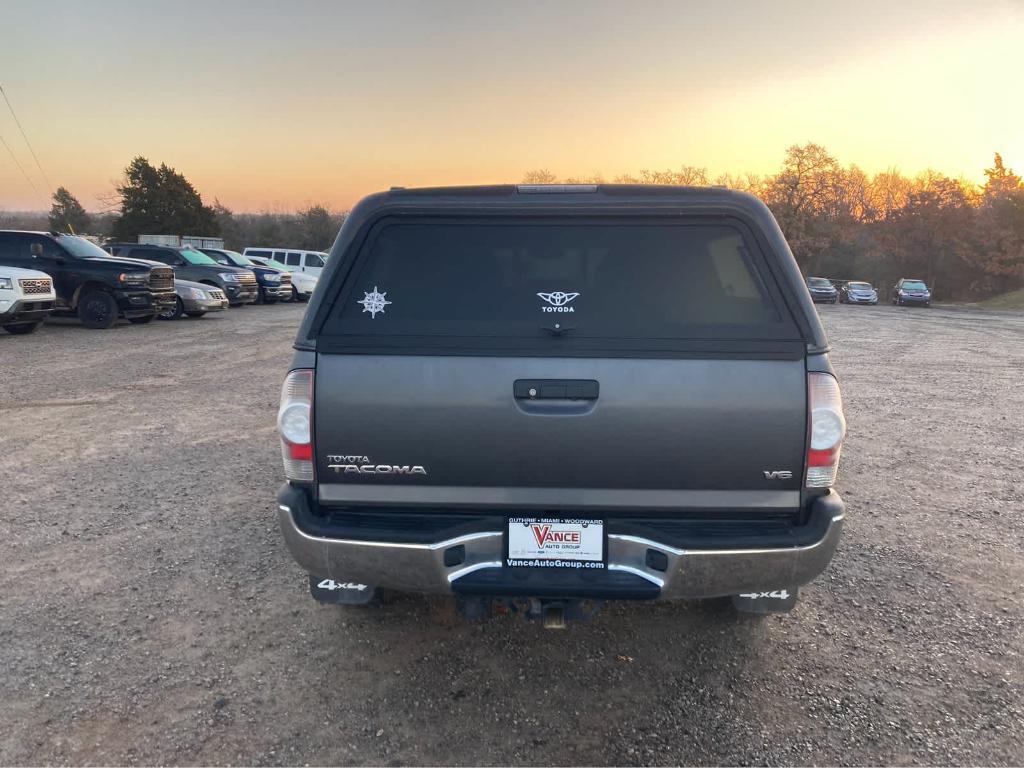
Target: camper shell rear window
<point x="554" y="285"/>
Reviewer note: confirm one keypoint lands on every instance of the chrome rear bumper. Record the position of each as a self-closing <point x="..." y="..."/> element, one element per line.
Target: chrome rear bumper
<point x="690" y="573"/>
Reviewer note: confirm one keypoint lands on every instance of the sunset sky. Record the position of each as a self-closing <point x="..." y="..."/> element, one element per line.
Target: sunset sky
<point x="275" y="105"/>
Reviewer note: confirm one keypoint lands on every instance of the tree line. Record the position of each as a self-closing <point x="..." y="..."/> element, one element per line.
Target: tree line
<point x="158" y="200"/>
<point x="965" y="240"/>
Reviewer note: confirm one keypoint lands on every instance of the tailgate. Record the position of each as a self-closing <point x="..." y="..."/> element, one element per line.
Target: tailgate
<point x="660" y="433"/>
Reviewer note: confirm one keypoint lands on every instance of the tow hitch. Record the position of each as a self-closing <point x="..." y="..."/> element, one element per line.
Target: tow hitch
<point x="553" y="613"/>
<point x="554" y="616"/>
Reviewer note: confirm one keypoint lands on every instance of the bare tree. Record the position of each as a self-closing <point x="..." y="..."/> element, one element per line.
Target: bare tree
<point x="539" y="176"/>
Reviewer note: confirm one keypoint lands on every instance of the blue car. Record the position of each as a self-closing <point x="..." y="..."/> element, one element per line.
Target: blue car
<point x="908" y="291"/>
<point x="857" y="292"/>
<point x="274" y="284"/>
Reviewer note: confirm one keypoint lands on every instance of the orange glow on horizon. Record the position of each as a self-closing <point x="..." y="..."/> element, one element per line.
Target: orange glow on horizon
<point x="269" y="132"/>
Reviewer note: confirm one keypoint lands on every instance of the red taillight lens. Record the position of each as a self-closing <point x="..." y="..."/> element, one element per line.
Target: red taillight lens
<point x="300" y="452"/>
<point x="827" y="427"/>
<point x="295" y="425"/>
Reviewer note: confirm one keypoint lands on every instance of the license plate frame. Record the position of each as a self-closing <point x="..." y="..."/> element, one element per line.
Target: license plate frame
<point x="548" y="542"/>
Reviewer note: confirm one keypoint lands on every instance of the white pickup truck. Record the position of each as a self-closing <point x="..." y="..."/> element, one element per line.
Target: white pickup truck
<point x="26" y="298"/>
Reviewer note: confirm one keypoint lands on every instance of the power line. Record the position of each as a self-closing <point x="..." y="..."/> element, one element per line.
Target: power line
<point x="27" y="144"/>
<point x="20" y="167"/>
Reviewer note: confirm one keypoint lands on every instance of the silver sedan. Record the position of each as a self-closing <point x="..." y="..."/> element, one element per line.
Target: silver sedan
<point x="195" y="300"/>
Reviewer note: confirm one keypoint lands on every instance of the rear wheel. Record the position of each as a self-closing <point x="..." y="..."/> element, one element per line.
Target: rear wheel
<point x="141" y="320"/>
<point x="20" y="329"/>
<point x="97" y="309"/>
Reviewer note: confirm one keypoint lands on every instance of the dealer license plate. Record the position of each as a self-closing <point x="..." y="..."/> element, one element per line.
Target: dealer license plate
<point x="546" y="542"/>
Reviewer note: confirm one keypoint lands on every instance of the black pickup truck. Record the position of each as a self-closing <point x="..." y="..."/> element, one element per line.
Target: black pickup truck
<point x="547" y="396"/>
<point x="88" y="281"/>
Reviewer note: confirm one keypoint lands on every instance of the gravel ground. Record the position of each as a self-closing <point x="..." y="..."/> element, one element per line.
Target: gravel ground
<point x="149" y="612"/>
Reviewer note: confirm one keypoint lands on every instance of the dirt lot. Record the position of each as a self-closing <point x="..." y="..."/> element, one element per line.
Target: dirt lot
<point x="149" y="612"/>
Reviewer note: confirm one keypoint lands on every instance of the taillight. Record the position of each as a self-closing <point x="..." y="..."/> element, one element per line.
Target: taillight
<point x="828" y="427"/>
<point x="295" y="425"/>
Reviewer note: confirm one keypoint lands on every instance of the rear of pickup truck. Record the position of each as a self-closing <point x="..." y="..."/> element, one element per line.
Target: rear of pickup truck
<point x="556" y="394"/>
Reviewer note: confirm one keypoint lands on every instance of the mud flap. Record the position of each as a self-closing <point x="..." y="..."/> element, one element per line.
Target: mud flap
<point x="340" y="592"/>
<point x="775" y="601"/>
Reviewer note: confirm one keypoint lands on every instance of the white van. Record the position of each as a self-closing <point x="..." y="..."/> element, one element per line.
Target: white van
<point x="310" y="262"/>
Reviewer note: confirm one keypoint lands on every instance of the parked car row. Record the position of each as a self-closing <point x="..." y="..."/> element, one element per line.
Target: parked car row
<point x="238" y="284"/>
<point x="43" y="273"/>
<point x="906" y="291"/>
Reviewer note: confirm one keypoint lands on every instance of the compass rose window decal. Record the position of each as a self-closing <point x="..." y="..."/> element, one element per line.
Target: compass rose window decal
<point x="374" y="302"/>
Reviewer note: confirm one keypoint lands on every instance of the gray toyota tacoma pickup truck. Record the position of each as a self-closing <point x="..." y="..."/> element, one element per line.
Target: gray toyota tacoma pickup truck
<point x="539" y="398"/>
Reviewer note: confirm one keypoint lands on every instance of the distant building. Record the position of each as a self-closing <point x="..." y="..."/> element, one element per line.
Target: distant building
<point x="178" y="241"/>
